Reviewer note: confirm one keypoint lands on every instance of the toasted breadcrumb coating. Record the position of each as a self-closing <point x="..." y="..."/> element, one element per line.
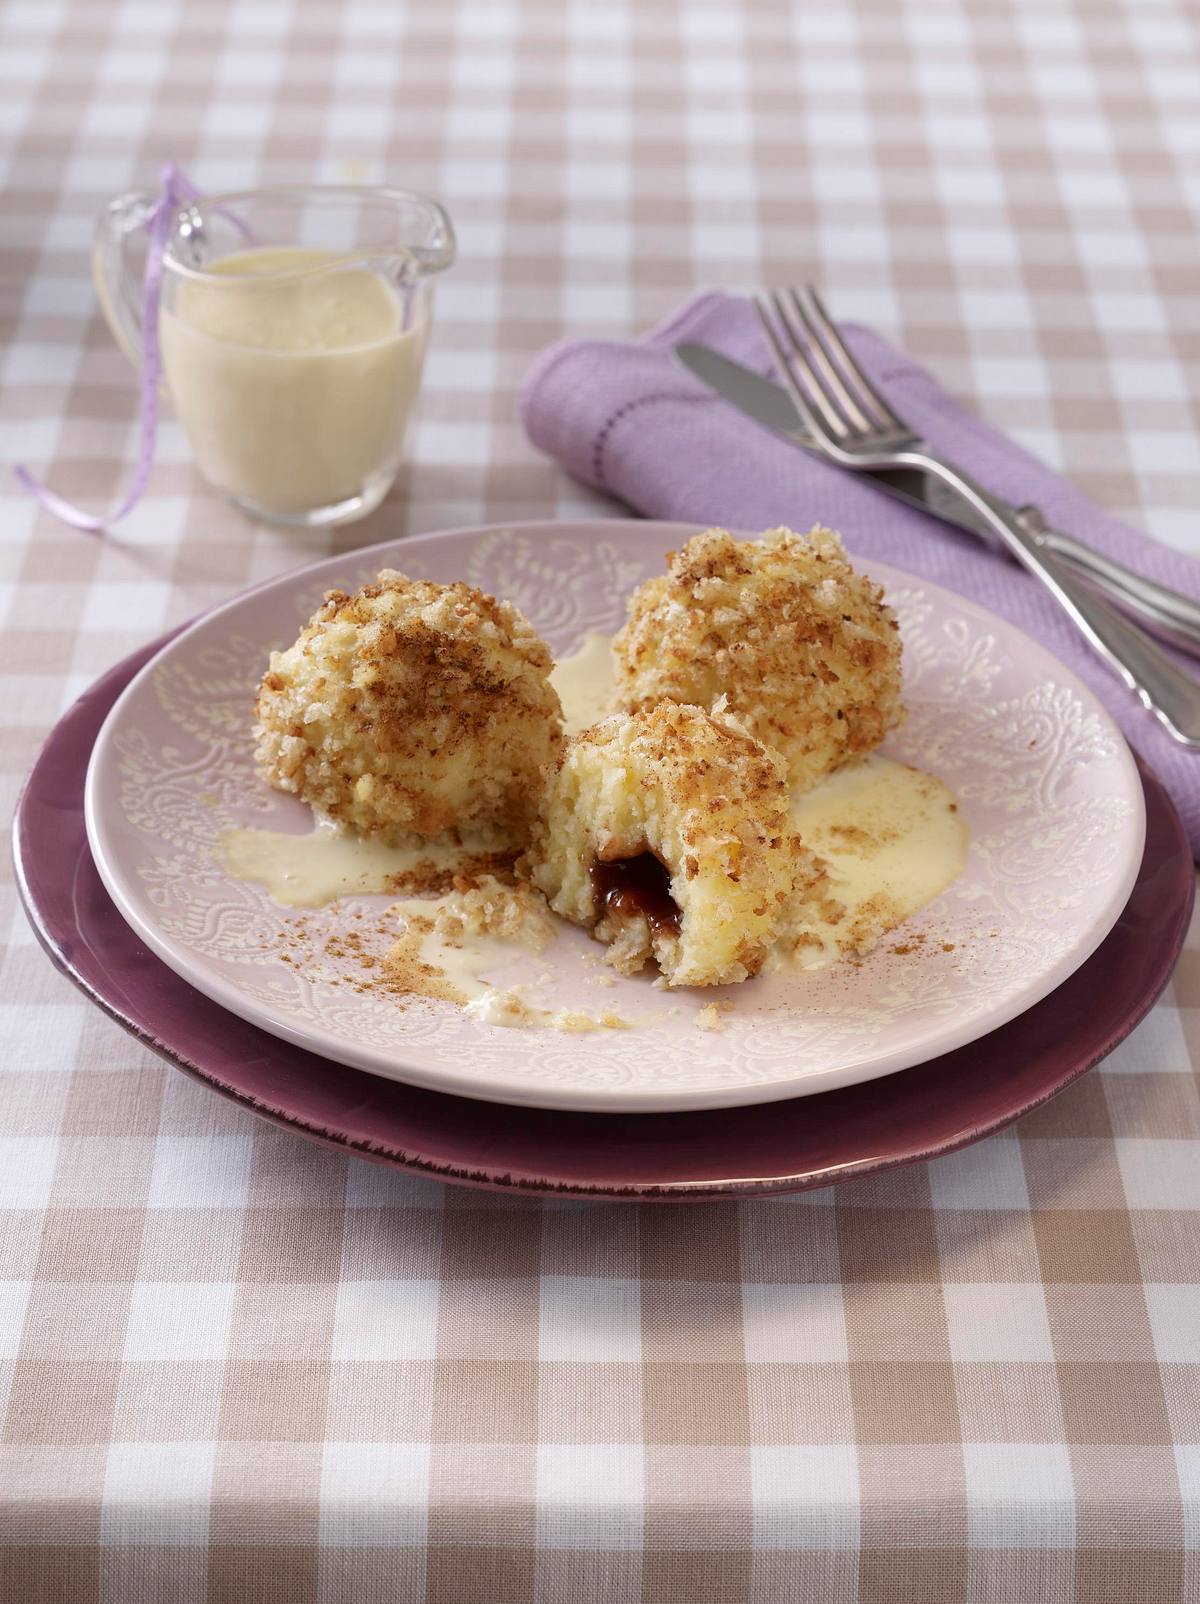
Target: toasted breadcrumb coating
<point x="411" y="707"/>
<point x="805" y="650"/>
<point x="703" y="798"/>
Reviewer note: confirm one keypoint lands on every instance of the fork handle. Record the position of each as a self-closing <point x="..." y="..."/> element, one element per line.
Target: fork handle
<point x="1160" y="684"/>
<point x="1167" y="613"/>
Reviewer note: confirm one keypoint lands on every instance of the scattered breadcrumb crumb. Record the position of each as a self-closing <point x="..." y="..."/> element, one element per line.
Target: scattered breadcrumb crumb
<point x="484" y="906"/>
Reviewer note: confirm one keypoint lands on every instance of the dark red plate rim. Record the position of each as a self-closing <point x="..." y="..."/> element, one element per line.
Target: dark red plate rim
<point x="917" y="1114"/>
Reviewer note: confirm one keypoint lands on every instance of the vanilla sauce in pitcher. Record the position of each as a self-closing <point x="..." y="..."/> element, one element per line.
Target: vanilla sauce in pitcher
<point x="295" y="391"/>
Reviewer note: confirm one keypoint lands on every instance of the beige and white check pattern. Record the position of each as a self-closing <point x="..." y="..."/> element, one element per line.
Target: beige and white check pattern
<point x="233" y="1366"/>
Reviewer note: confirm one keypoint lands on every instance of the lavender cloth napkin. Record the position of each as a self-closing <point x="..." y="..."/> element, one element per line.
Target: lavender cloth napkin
<point x="625" y="418"/>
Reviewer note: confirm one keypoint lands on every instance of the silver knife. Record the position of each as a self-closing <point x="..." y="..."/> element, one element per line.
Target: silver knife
<point x="1162" y="611"/>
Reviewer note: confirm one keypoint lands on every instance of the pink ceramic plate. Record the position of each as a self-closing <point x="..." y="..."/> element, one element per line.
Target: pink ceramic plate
<point x="1044" y="780"/>
<point x="930" y="1109"/>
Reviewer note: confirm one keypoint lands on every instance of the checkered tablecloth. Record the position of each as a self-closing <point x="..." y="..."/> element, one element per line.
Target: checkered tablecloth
<point x="234" y="1366"/>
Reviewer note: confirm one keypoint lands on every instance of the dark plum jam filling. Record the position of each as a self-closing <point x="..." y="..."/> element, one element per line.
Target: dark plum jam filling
<point x="627" y="887"/>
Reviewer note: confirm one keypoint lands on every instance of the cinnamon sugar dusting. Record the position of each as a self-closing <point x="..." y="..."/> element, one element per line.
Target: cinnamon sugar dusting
<point x="440" y="951"/>
<point x="408" y="972"/>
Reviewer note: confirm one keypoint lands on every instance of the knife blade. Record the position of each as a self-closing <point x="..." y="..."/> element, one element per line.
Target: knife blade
<point x="769" y="404"/>
<point x="1166" y="613"/>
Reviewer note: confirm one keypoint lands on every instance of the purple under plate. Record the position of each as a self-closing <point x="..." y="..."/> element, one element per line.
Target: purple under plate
<point x="778" y="1147"/>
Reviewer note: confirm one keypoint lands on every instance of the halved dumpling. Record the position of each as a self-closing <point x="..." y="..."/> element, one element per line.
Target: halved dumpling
<point x="666" y="833"/>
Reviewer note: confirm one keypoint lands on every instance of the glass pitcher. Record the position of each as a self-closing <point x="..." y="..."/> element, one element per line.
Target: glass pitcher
<point x="292" y="325"/>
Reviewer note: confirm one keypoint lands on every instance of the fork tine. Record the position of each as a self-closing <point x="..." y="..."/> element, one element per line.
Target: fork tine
<point x="798" y="356"/>
<point x="819" y="353"/>
<point x="834" y="346"/>
<point x="813" y="422"/>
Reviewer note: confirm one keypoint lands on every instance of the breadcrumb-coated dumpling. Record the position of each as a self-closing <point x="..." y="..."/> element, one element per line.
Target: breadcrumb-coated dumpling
<point x="412" y="707"/>
<point x="805" y="649"/>
<point x="666" y="832"/>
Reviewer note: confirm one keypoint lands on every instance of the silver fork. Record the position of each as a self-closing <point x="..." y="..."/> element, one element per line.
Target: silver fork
<point x="854" y="426"/>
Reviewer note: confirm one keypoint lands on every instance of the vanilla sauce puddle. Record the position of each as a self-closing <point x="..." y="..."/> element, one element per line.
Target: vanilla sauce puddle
<point x="892" y="838"/>
<point x="307" y="871"/>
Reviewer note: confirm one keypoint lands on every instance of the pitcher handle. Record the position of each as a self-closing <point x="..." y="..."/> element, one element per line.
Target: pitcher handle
<point x="117" y="271"/>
